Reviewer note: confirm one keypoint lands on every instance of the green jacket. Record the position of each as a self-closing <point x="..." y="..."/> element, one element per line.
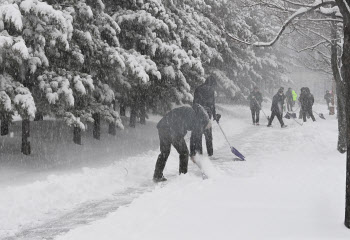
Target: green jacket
<point x="295" y="95"/>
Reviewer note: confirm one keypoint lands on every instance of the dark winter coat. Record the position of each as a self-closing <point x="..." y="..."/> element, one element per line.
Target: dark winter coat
<point x="277" y="103"/>
<point x="307" y="101"/>
<point x="328" y="97"/>
<point x="255" y="99"/>
<point x="204" y="95"/>
<point x="180" y="120"/>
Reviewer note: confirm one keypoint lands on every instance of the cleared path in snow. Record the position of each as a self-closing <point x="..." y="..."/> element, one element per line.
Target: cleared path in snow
<point x="43" y="209"/>
<point x="292" y="186"/>
<point x="292" y="178"/>
<point x="83" y="215"/>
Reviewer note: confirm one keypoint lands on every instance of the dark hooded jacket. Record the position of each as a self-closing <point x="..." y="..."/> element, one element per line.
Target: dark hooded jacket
<point x="204" y="95"/>
<point x="255" y="99"/>
<point x="180" y="120"/>
<point x="277" y="103"/>
<point x="306" y="99"/>
<point x="328" y="97"/>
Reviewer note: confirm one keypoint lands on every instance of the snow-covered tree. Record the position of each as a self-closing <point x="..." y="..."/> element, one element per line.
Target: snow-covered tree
<point x="25" y="28"/>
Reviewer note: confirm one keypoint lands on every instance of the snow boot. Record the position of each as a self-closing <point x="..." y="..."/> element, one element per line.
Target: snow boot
<point x="213" y="158"/>
<point x="159" y="179"/>
<point x="257" y="124"/>
<point x="269" y="125"/>
<point x="283" y="126"/>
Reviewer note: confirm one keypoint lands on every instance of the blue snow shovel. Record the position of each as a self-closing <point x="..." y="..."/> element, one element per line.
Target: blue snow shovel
<point x="233" y="150"/>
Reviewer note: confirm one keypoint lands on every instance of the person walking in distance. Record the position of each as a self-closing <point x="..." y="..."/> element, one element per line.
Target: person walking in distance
<point x="204" y="95"/>
<point x="289" y="96"/>
<point x="277" y="108"/>
<point x="295" y="97"/>
<point x="172" y="129"/>
<point x="302" y="93"/>
<point x="255" y="99"/>
<point x="328" y="98"/>
<point x="307" y="101"/>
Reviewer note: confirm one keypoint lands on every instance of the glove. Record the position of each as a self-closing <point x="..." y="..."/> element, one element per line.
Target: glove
<point x="217" y="117"/>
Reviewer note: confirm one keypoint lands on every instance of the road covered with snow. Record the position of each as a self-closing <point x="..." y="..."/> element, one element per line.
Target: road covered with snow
<point x="292" y="186"/>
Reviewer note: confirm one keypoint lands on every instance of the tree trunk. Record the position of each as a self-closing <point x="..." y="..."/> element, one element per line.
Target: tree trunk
<point x="341" y="118"/>
<point x="122" y="109"/>
<point x="97" y="125"/>
<point x="346" y="69"/>
<point x="346" y="76"/>
<point x="346" y="64"/>
<point x="77" y="135"/>
<point x="38" y="116"/>
<point x="339" y="91"/>
<point x="112" y="129"/>
<point x="133" y="116"/>
<point x="142" y="113"/>
<point x="25" y="137"/>
<point x="347" y="204"/>
<point x="4" y="126"/>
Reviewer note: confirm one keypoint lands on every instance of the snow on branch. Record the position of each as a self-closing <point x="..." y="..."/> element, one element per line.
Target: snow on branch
<point x="236" y="38"/>
<point x="333" y="11"/>
<point x="322" y="20"/>
<point x="306" y="8"/>
<point x="316" y="69"/>
<point x="11" y="13"/>
<point x="272" y="6"/>
<point x="325" y="38"/>
<point x="312" y="47"/>
<point x="316" y="2"/>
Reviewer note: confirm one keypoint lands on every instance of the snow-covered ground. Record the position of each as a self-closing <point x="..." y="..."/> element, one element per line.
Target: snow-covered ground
<point x="292" y="186"/>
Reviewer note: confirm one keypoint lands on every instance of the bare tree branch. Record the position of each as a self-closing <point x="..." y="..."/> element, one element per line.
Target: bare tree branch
<point x="312" y="47"/>
<point x="272" y="5"/>
<point x="321" y="20"/>
<point x="299" y="4"/>
<point x="300" y="12"/>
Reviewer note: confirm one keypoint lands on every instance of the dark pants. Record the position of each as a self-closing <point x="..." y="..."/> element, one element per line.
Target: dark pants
<point x="279" y="117"/>
<point x="309" y="112"/>
<point x="290" y="105"/>
<point x="196" y="142"/>
<point x="166" y="140"/>
<point x="255" y="115"/>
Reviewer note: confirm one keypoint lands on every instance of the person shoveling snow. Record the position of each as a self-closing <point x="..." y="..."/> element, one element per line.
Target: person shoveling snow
<point x="276" y="108"/>
<point x="172" y="129"/>
<point x="255" y="98"/>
